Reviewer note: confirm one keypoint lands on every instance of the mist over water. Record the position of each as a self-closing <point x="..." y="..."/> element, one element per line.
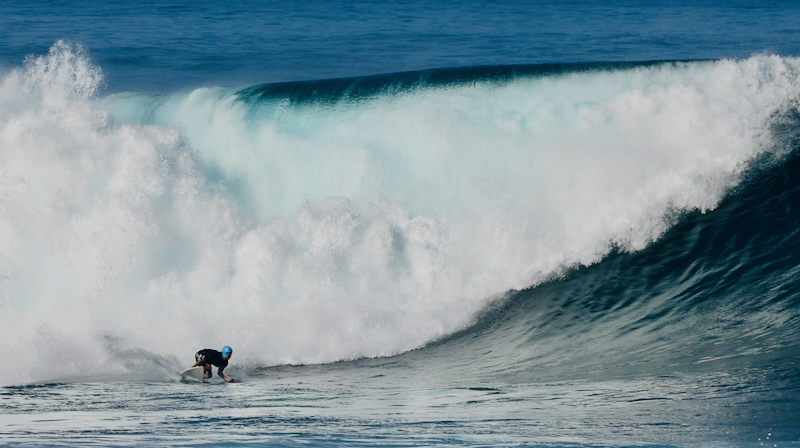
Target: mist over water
<point x="136" y="227"/>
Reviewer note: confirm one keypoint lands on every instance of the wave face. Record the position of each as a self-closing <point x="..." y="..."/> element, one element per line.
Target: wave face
<point x="719" y="290"/>
<point x="329" y="220"/>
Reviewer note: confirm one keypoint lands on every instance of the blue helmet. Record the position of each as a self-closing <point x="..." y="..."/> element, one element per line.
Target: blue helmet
<point x="226" y="352"/>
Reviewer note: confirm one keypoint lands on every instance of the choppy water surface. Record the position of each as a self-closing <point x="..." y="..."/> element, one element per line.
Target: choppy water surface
<point x="395" y="403"/>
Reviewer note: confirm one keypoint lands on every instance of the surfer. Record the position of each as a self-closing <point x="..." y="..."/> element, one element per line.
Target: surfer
<point x="208" y="357"/>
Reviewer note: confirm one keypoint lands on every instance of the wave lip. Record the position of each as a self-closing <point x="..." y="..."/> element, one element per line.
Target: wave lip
<point x="371" y="87"/>
<point x="315" y="231"/>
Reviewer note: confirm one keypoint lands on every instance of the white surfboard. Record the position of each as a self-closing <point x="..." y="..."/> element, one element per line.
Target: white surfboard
<point x="193" y="375"/>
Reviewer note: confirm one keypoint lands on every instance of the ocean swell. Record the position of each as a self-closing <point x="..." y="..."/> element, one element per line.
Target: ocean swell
<point x="136" y="229"/>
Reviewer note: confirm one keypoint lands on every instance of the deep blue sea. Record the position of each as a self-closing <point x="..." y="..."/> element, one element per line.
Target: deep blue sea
<point x="523" y="223"/>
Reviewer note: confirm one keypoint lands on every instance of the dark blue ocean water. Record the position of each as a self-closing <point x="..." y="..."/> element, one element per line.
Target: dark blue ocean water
<point x="157" y="46"/>
<point x="568" y="224"/>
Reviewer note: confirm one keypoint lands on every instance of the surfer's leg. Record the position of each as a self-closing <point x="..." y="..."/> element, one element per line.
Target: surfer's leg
<point x="206" y="367"/>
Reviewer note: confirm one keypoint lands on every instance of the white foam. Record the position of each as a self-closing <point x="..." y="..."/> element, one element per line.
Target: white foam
<point x="326" y="232"/>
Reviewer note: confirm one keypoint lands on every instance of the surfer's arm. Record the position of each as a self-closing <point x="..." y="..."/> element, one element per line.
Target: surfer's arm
<point x="224" y="377"/>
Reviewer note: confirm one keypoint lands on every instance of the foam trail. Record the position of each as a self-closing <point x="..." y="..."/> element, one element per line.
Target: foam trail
<point x="318" y="232"/>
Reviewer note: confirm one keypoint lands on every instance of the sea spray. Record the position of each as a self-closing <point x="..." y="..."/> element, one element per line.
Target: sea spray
<point x="314" y="232"/>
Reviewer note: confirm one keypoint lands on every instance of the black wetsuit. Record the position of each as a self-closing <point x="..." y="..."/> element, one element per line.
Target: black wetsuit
<point x="210" y="356"/>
